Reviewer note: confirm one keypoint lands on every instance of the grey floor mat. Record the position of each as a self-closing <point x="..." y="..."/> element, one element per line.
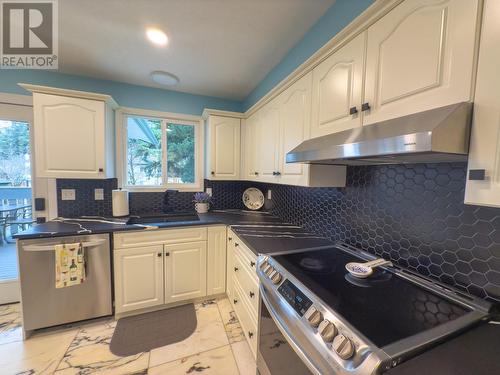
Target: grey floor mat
<point x="141" y="333"/>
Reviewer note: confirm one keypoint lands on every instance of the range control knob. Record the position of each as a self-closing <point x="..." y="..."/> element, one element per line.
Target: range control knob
<point x="276" y="277"/>
<point x="313" y="316"/>
<point x="269" y="270"/>
<point x="263" y="265"/>
<point x="343" y="347"/>
<point x="327" y="330"/>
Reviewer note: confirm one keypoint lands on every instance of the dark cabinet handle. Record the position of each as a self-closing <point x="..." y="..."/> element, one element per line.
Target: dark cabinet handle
<point x="167" y="254"/>
<point x="278" y="173"/>
<point x="212" y="173"/>
<point x="251" y="294"/>
<point x="101" y="169"/>
<point x="477" y="174"/>
<point x="159" y="255"/>
<point x="230" y="238"/>
<point x="250" y="334"/>
<point x="353" y="110"/>
<point x="365" y="106"/>
<point x="236" y="244"/>
<point x="236" y="269"/>
<point x="252" y="264"/>
<point x="235" y="301"/>
<point x="256" y="173"/>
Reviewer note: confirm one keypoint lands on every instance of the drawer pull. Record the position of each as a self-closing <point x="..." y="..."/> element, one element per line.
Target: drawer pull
<point x="236" y="269"/>
<point x="252" y="264"/>
<point x="252" y="294"/>
<point x="230" y="238"/>
<point x="250" y="334"/>
<point x="235" y="301"/>
<point x="159" y="255"/>
<point x="236" y="244"/>
<point x="167" y="254"/>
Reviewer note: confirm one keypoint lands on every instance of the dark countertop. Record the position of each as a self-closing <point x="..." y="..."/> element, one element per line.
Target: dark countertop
<point x="472" y="353"/>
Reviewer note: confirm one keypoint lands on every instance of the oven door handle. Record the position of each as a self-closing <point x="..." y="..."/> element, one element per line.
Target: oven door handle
<point x="283" y="330"/>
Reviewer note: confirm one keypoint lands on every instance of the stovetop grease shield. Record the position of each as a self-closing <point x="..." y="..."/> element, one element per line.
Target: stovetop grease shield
<point x="385" y="309"/>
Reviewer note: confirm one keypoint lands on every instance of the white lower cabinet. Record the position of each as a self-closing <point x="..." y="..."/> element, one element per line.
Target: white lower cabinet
<point x="185" y="271"/>
<point x="166" y="266"/>
<point x="216" y="260"/>
<point x="243" y="288"/>
<point x="138" y="278"/>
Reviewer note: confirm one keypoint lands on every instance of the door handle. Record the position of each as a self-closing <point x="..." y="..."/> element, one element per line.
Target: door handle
<point x="167" y="254"/>
<point x="251" y="294"/>
<point x="236" y="244"/>
<point x="159" y="255"/>
<point x="353" y="110"/>
<point x="236" y="269"/>
<point x="252" y="264"/>
<point x="365" y="106"/>
<point x="51" y="247"/>
<point x="235" y="301"/>
<point x="250" y="334"/>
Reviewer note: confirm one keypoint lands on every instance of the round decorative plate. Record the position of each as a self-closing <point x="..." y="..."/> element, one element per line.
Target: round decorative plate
<point x="253" y="198"/>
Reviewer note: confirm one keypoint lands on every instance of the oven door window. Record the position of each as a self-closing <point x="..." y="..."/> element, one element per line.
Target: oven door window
<point x="274" y="350"/>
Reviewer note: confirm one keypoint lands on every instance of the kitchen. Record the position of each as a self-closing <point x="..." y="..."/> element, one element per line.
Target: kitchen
<point x="198" y="186"/>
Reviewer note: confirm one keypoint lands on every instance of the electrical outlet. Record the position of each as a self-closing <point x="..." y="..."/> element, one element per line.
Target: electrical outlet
<point x="208" y="191"/>
<point x="99" y="194"/>
<point x="68" y="194"/>
<point x="269" y="195"/>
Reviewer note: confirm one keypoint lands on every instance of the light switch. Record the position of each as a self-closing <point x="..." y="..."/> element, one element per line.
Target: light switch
<point x="99" y="194"/>
<point x="68" y="194"/>
<point x="208" y="191"/>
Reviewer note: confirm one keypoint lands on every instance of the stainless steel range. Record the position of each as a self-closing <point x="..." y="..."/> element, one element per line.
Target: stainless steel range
<point x="316" y="318"/>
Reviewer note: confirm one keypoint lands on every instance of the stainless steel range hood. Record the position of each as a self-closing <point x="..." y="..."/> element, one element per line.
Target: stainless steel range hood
<point x="437" y="135"/>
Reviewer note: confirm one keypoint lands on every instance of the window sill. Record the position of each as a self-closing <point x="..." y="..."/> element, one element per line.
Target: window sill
<point x="162" y="189"/>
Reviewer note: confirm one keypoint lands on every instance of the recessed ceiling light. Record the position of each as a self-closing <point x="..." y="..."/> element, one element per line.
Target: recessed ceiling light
<point x="164" y="78"/>
<point x="157" y="36"/>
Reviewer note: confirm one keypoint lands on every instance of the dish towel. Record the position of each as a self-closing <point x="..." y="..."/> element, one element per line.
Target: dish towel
<point x="70" y="264"/>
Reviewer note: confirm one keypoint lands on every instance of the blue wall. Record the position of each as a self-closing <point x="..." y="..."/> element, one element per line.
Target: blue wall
<point x="125" y="94"/>
<point x="338" y="16"/>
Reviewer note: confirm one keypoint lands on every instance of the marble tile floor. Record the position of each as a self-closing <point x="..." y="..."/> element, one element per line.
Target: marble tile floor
<point x="217" y="347"/>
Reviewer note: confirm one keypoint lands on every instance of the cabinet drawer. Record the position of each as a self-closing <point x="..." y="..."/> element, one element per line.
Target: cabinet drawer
<point x="249" y="286"/>
<point x="248" y="323"/>
<point x="160" y="236"/>
<point x="248" y="258"/>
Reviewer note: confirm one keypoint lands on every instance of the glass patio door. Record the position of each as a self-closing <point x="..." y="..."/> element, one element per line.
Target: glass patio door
<point x="16" y="211"/>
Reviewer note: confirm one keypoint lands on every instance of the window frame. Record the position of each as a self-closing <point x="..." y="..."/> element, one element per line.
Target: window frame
<point x="165" y="117"/>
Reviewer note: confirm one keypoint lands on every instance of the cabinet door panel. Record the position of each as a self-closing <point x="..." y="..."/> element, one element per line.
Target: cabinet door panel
<point x="420" y="56"/>
<point x="69" y="136"/>
<point x="485" y="138"/>
<point x="138" y="278"/>
<point x="216" y="260"/>
<point x="185" y="271"/>
<point x="337" y="87"/>
<point x="268" y="138"/>
<point x="249" y="136"/>
<point x="295" y="116"/>
<point x="225" y="147"/>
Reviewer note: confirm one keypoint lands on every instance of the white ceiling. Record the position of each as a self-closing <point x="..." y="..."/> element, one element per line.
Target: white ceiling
<point x="219" y="48"/>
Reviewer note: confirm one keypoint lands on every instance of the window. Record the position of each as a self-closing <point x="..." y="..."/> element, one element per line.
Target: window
<point x="160" y="152"/>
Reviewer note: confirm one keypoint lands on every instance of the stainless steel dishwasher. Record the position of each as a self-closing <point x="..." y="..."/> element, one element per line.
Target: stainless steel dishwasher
<point x="42" y="304"/>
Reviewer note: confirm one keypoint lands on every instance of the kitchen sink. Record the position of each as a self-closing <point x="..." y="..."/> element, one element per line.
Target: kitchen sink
<point x="163" y="218"/>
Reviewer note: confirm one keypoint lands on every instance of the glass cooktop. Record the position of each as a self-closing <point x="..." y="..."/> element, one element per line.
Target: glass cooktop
<point x="385" y="308"/>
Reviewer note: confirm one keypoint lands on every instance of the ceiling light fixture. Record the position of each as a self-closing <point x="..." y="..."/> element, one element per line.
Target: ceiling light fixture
<point x="164" y="78"/>
<point x="156" y="36"/>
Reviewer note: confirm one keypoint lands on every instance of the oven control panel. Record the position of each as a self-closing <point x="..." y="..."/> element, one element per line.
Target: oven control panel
<point x="294" y="297"/>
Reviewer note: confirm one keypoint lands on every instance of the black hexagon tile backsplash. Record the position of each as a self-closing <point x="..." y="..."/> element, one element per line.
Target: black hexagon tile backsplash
<point x="411" y="214"/>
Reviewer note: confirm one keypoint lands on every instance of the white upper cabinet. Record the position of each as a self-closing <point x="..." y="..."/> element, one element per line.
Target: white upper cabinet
<point x="73" y="133"/>
<point x="484" y="153"/>
<point x="268" y="133"/>
<point x="420" y="56"/>
<point x="337" y="89"/>
<point x="250" y="147"/>
<point x="223" y="148"/>
<point x="295" y="118"/>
